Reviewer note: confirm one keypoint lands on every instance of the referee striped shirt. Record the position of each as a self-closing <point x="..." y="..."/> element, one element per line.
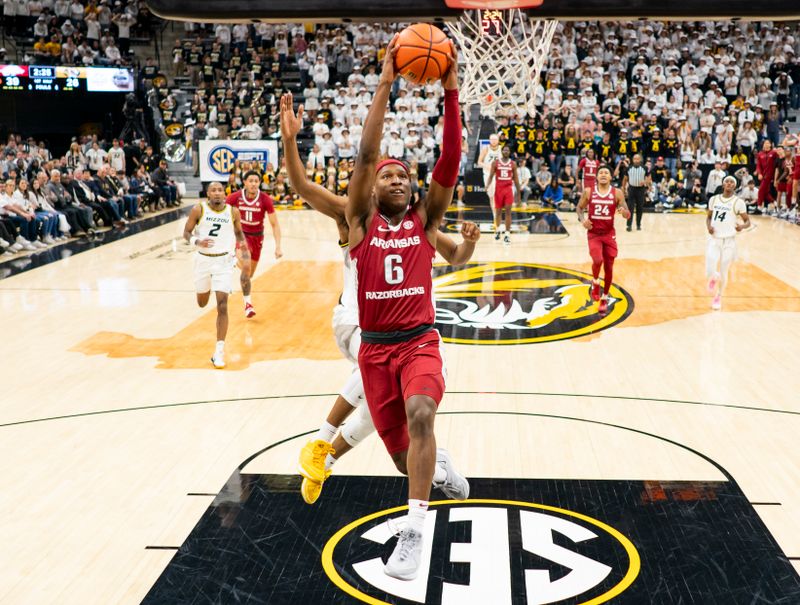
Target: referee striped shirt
<point x="636" y="176"/>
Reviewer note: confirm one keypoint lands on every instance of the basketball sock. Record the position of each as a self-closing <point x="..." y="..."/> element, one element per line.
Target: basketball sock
<point x="220" y="346"/>
<point x="329" y="461"/>
<point x="247" y="300"/>
<point x="439" y="474"/>
<point x="416" y="514"/>
<point x="325" y="432"/>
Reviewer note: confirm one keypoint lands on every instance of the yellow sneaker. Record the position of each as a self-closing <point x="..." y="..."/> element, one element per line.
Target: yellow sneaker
<point x="311" y="490"/>
<point x="312" y="459"/>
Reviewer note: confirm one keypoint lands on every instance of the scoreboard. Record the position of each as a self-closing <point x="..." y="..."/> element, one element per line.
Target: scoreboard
<point x="45" y="78"/>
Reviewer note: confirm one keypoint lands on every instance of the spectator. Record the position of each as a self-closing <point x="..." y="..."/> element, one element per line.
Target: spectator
<point x="553" y="194"/>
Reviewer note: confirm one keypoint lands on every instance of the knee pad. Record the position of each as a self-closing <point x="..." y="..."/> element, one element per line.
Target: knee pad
<point x="358" y="427"/>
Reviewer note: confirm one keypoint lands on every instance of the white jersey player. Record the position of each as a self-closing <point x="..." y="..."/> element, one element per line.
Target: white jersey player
<point x="326" y="447"/>
<point x="489" y="155"/>
<point x="214" y="227"/>
<point x="722" y="222"/>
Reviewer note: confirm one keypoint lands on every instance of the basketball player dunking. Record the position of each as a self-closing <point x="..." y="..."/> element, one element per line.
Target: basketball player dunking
<point x="504" y="171"/>
<point x="218" y="230"/>
<point x="722" y="223"/>
<point x="319" y="455"/>
<point x="603" y="201"/>
<point x="253" y="205"/>
<point x="392" y="246"/>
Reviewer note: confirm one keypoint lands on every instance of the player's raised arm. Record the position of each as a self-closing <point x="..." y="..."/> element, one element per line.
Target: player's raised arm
<point x="445" y="173"/>
<point x="359" y="202"/>
<point x="458" y="254"/>
<point x="316" y="196"/>
<point x="582" y="206"/>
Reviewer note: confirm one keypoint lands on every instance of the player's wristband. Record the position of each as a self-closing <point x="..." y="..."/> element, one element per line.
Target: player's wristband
<point x="193" y="240"/>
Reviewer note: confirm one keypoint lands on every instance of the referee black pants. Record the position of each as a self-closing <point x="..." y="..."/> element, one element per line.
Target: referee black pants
<point x="636" y="197"/>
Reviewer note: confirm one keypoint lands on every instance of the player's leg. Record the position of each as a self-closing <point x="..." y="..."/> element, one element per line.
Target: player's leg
<point x="713" y="257"/>
<point x="218" y="359"/>
<point x="727" y="256"/>
<point x="422" y="381"/>
<point x="496" y="210"/>
<point x="202" y="279"/>
<point x="596" y="252"/>
<point x="254" y="244"/>
<point x="609" y="254"/>
<point x="507" y="207"/>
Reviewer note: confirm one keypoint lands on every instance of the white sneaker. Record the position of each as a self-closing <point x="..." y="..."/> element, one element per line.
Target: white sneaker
<point x="15" y="247"/>
<point x="218" y="359"/>
<point x="29" y="246"/>
<point x="506" y="238"/>
<point x="7" y="253"/>
<point x="49" y="240"/>
<point x="455" y="486"/>
<point x="38" y="244"/>
<point x="4" y="243"/>
<point x="403" y="564"/>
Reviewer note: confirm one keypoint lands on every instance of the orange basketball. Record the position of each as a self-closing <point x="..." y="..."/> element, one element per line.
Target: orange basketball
<point x="422" y="51"/>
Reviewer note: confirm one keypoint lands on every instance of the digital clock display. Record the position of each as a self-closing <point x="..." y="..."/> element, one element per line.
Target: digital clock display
<point x="46" y="78"/>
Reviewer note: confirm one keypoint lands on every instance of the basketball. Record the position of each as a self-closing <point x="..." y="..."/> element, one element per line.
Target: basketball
<point x="422" y="52"/>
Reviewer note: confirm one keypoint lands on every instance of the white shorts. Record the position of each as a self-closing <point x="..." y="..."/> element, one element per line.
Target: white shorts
<point x="214" y="273"/>
<point x="348" y="339"/>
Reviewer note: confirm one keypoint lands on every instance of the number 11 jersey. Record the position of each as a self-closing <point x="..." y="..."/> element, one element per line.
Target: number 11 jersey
<point x="392" y="267"/>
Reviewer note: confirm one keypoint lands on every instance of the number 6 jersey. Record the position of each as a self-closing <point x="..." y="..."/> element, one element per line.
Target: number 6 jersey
<point x="392" y="267"/>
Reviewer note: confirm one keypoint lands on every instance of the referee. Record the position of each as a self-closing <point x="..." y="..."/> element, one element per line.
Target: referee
<point x="635" y="184"/>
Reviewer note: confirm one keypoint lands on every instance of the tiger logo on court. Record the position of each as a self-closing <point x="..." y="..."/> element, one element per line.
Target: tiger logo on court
<point x="520" y="303"/>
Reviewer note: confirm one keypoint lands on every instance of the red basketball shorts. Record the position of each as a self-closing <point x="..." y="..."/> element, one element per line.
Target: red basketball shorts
<point x="602" y="246"/>
<point x="254" y="243"/>
<point x="503" y="196"/>
<point x="394" y="372"/>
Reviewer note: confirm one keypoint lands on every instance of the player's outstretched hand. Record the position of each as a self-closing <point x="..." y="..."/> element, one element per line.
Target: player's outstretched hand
<point x="470" y="232"/>
<point x="587" y="223"/>
<point x="450" y="77"/>
<point x="290" y="123"/>
<point x="387" y="72"/>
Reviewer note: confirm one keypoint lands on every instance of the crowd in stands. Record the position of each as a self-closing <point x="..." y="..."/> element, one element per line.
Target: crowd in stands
<point x="241" y="71"/>
<point x="77" y="32"/>
<point x="46" y="198"/>
<point x="697" y="101"/>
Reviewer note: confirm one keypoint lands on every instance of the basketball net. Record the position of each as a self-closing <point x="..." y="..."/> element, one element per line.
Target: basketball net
<point x="503" y="54"/>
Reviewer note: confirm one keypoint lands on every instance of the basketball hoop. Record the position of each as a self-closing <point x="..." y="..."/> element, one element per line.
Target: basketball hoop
<point x="503" y="55"/>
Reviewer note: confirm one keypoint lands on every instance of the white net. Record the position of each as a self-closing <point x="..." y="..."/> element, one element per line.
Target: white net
<point x="503" y="53"/>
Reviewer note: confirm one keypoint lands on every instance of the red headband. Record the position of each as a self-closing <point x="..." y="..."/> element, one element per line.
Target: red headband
<point x="389" y="162"/>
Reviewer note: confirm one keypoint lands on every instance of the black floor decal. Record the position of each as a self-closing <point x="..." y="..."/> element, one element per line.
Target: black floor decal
<point x="518" y="541"/>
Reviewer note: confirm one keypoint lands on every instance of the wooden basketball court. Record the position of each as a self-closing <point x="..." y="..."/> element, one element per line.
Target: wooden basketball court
<point x="121" y="443"/>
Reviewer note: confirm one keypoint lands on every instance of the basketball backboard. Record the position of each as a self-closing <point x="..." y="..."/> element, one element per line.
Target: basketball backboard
<point x="426" y="10"/>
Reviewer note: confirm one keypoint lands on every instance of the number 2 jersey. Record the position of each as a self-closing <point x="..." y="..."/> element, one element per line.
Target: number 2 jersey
<point x="724" y="213"/>
<point x="602" y="210"/>
<point x="392" y="267"/>
<point x="217" y="226"/>
<point x="252" y="211"/>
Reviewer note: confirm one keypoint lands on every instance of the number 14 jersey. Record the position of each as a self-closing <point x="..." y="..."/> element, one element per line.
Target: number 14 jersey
<point x="392" y="267"/>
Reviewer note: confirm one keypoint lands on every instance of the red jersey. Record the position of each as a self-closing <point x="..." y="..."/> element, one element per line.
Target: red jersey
<point x="602" y="209"/>
<point x="392" y="267"/>
<point x="252" y="211"/>
<point x="765" y="164"/>
<point x="589" y="168"/>
<point x="504" y="173"/>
